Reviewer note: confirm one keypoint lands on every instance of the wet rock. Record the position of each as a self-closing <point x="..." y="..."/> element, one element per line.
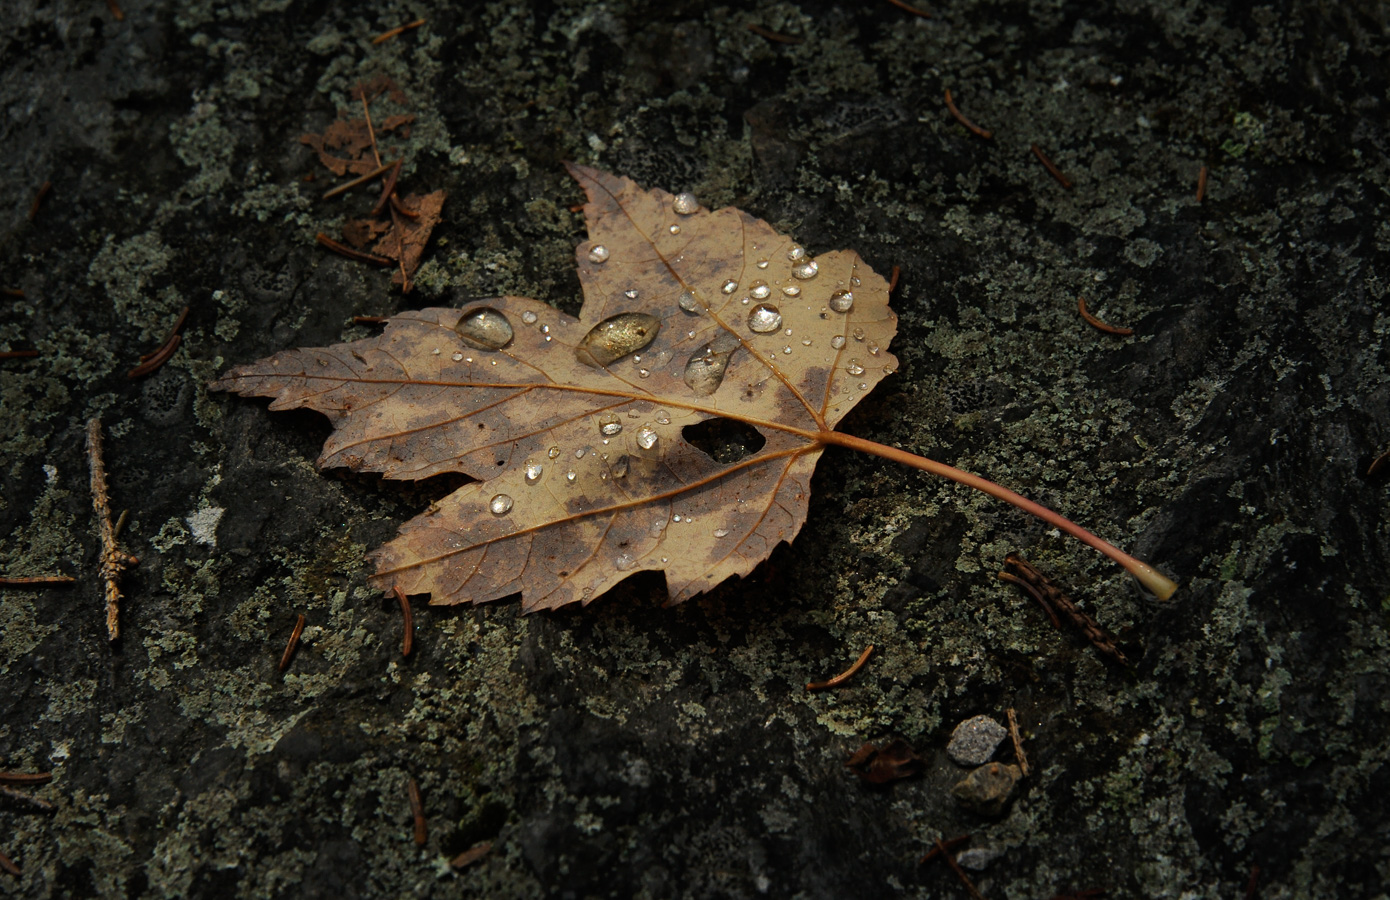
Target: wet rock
<point x="975" y="740"/>
<point x="988" y="789"/>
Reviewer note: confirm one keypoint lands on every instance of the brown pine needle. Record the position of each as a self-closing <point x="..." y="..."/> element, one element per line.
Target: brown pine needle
<point x="471" y="855"/>
<point x="117" y="13"/>
<point x="8" y="865"/>
<point x="399" y="29"/>
<point x="417" y="812"/>
<point x="960" y="117"/>
<point x="893" y="281"/>
<point x="26" y="799"/>
<point x="912" y="9"/>
<point x="388" y="188"/>
<point x="1051" y="167"/>
<point x="25" y="777"/>
<point x="844" y="676"/>
<point x="368" y="320"/>
<point x="293" y="643"/>
<point x="943" y="847"/>
<point x="360" y="179"/>
<point x="1377" y="464"/>
<point x="1097" y="323"/>
<point x="18" y="354"/>
<point x="771" y="35"/>
<point x="349" y="252"/>
<point x="395" y="218"/>
<point x="1201" y="184"/>
<point x="38" y="199"/>
<point x="970" y="888"/>
<point x="151" y="361"/>
<point x="114" y="561"/>
<point x="35" y="581"/>
<point x="1018" y="743"/>
<point x="408" y="640"/>
<point x="12" y="292"/>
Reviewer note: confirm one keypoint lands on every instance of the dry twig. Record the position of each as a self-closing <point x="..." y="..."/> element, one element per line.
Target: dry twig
<point x="1018" y="743"/>
<point x="114" y="560"/>
<point x="35" y="580"/>
<point x="293" y="643"/>
<point x="417" y="812"/>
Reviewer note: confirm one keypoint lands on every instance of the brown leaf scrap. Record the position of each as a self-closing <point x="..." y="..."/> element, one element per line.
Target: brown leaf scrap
<point x="880" y="765"/>
<point x="574" y="428"/>
<point x="406" y="240"/>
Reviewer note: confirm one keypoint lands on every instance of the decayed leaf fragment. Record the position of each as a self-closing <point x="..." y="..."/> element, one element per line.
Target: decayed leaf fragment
<point x="573" y="427"/>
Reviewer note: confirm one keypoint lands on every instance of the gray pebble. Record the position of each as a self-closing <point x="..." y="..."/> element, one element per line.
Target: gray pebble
<point x="988" y="789"/>
<point x="975" y="740"/>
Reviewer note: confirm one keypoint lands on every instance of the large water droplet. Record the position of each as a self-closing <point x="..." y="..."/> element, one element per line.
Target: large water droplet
<point x="705" y="369"/>
<point x="500" y="505"/>
<point x="598" y="253"/>
<point x="685" y="204"/>
<point x="759" y="290"/>
<point x="609" y="424"/>
<point x="484" y="328"/>
<point x="842" y="301"/>
<point x="795" y="253"/>
<point x="854" y="368"/>
<point x="647" y="437"/>
<point x="837" y="341"/>
<point x="534" y="471"/>
<point x="616" y="337"/>
<point x="687" y="302"/>
<point x="806" y="269"/>
<point x="764" y="319"/>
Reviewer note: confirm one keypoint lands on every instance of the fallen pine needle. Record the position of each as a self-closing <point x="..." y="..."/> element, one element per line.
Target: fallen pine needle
<point x="38" y="199"/>
<point x="114" y="560"/>
<point x="1051" y="167"/>
<point x="350" y="253"/>
<point x="1201" y="184"/>
<point x="293" y="643"/>
<point x="25" y="777"/>
<point x="35" y="580"/>
<point x="471" y="855"/>
<point x="408" y="640"/>
<point x="417" y="812"/>
<point x="399" y="29"/>
<point x="969" y="125"/>
<point x="1097" y="323"/>
<point x="1018" y="743"/>
<point x="900" y="4"/>
<point x="844" y="676"/>
<point x="771" y="35"/>
<point x="360" y="179"/>
<point x="8" y="865"/>
<point x="18" y="354"/>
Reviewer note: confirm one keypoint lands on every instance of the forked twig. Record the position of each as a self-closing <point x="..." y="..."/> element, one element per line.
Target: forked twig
<point x="114" y="560"/>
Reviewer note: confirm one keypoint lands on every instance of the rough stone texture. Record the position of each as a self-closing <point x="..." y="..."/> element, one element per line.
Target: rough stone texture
<point x="631" y="751"/>
<point x="974" y="741"/>
<point x="988" y="789"/>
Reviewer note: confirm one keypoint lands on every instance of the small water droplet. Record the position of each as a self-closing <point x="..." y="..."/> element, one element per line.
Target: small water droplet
<point x="676" y="517"/>
<point x="644" y="373"/>
<point x="854" y="280"/>
<point x="545" y="330"/>
<point x="762" y="264"/>
<point x="685" y="204"/>
<point x="631" y="294"/>
<point x="616" y="337"/>
<point x="842" y="301"/>
<point x="863" y="386"/>
<point x="873" y="348"/>
<point x="792" y="290"/>
<point x="759" y="290"/>
<point x="609" y="424"/>
<point x="457" y="356"/>
<point x="625" y="562"/>
<point x="579" y="454"/>
<point x="598" y="253"/>
<point x="435" y="351"/>
<point x="529" y="317"/>
<point x="721" y="532"/>
<point x="534" y="471"/>
<point x="837" y="341"/>
<point x="858" y="334"/>
<point x="795" y="253"/>
<point x="687" y="302"/>
<point x="656" y="528"/>
<point x="805" y="342"/>
<point x="674" y="229"/>
<point x="854" y="368"/>
<point x="484" y="328"/>
<point x="746" y="300"/>
<point x="647" y="437"/>
<point x="764" y="319"/>
<point x="787" y="350"/>
<point x="570" y="476"/>
<point x="729" y="286"/>
<point x="705" y="369"/>
<point x="805" y="270"/>
<point x="662" y="417"/>
<point x="553" y="452"/>
<point x="500" y="505"/>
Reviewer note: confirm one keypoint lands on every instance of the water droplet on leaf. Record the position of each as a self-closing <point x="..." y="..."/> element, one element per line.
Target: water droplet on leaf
<point x="842" y="301"/>
<point x="609" y="424"/>
<point x="705" y="369"/>
<point x="553" y="452"/>
<point x="764" y="319"/>
<point x="837" y="341"/>
<point x="792" y="290"/>
<point x="685" y="204"/>
<point x="500" y="505"/>
<point x="721" y="532"/>
<point x="805" y="270"/>
<point x="687" y="302"/>
<point x="484" y="328"/>
<point x="759" y="290"/>
<point x="598" y="253"/>
<point x="616" y="337"/>
<point x="529" y="317"/>
<point x="795" y="253"/>
<point x="854" y="368"/>
<point x="647" y="437"/>
<point x="534" y="471"/>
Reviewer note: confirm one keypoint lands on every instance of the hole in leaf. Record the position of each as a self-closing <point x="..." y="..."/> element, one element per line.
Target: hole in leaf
<point x="726" y="441"/>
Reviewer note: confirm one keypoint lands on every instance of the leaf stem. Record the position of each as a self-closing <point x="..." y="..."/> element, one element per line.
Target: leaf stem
<point x="1153" y="581"/>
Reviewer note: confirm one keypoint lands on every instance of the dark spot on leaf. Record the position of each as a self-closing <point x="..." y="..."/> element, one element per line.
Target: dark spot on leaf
<point x="724" y="440"/>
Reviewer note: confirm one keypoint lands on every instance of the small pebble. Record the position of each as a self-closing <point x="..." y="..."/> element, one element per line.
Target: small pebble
<point x="975" y="740"/>
<point x="988" y="789"/>
<point x="977" y="859"/>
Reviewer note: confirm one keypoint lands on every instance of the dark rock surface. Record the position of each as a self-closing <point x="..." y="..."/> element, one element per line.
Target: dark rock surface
<point x="632" y="751"/>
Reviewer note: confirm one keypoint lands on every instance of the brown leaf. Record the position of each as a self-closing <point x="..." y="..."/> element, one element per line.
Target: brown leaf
<point x="406" y="240"/>
<point x="361" y="232"/>
<point x="893" y="761"/>
<point x="575" y="432"/>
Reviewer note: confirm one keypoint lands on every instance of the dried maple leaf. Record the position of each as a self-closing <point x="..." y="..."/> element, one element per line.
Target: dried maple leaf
<point x="405" y="240"/>
<point x="574" y="428"/>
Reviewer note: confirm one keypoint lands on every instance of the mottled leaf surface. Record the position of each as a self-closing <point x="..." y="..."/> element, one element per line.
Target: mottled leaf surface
<point x="584" y="475"/>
